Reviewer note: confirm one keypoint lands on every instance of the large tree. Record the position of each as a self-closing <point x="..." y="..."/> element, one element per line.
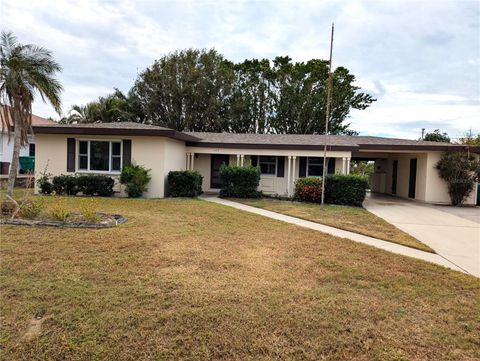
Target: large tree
<point x="437" y="136"/>
<point x="300" y="97"/>
<point x="25" y="70"/>
<point x="187" y="90"/>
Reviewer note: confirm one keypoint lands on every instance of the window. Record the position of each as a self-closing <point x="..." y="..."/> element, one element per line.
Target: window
<point x="315" y="167"/>
<point x="268" y="164"/>
<point x="97" y="155"/>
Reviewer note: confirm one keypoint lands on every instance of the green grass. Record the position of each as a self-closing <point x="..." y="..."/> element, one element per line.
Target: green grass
<point x="193" y="280"/>
<point x="354" y="219"/>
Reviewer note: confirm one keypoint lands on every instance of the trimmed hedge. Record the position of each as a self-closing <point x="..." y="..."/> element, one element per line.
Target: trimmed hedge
<point x="185" y="183"/>
<point x="340" y="189"/>
<point x="99" y="185"/>
<point x="89" y="184"/>
<point x="65" y="184"/>
<point x="346" y="189"/>
<point x="239" y="182"/>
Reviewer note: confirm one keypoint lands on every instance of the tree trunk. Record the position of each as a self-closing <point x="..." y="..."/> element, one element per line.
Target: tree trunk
<point x="12" y="175"/>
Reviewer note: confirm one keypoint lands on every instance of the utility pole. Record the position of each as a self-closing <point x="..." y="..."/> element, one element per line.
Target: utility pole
<point x="327" y="117"/>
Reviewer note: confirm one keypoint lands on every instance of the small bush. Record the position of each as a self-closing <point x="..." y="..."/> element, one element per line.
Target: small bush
<point x="92" y="184"/>
<point x="7" y="208"/>
<point x="461" y="173"/>
<point x="88" y="209"/>
<point x="308" y="189"/>
<point x="239" y="182"/>
<point x="65" y="184"/>
<point x="184" y="183"/>
<point x="60" y="211"/>
<point x="44" y="184"/>
<point x="31" y="209"/>
<point x="345" y="189"/>
<point x="136" y="178"/>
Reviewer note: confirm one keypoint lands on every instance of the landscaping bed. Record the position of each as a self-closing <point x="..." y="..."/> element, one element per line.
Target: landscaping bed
<point x="76" y="220"/>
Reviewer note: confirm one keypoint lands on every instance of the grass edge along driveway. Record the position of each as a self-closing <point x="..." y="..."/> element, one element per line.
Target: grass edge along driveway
<point x="353" y="219"/>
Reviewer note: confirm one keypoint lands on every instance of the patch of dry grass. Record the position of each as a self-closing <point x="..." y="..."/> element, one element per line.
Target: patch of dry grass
<point x="354" y="219"/>
<point x="192" y="280"/>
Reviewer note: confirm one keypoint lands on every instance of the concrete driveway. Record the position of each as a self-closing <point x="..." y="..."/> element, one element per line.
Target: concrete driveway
<point x="454" y="233"/>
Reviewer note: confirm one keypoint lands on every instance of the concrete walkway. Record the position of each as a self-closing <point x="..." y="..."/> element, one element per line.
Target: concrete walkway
<point x="454" y="233"/>
<point x="387" y="246"/>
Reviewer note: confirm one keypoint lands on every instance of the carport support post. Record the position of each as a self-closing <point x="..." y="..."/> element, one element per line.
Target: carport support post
<point x="347" y="166"/>
<point x="192" y="160"/>
<point x="187" y="161"/>
<point x="242" y="159"/>
<point x="238" y="160"/>
<point x="293" y="172"/>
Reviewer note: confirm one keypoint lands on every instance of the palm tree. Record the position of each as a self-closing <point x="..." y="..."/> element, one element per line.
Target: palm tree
<point x="24" y="71"/>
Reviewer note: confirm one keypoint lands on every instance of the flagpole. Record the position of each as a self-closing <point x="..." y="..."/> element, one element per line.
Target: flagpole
<point x="327" y="116"/>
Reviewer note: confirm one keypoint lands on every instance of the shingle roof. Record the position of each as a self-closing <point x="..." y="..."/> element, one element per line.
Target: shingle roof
<point x="241" y="140"/>
<point x="310" y="141"/>
<point x="36" y="120"/>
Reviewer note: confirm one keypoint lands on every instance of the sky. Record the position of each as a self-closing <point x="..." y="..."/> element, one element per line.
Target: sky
<point x="420" y="59"/>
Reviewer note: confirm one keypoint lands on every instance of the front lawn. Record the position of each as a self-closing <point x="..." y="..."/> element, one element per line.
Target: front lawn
<point x="193" y="280"/>
<point x="354" y="219"/>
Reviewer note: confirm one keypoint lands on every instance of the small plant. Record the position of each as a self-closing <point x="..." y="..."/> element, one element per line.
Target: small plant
<point x="60" y="211"/>
<point x="44" y="184"/>
<point x="7" y="208"/>
<point x="31" y="209"/>
<point x="184" y="183"/>
<point x="88" y="209"/>
<point x="308" y="189"/>
<point x="136" y="178"/>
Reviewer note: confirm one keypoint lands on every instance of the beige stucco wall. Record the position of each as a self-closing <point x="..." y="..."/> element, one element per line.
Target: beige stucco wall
<point x="159" y="154"/>
<point x="269" y="184"/>
<point x="429" y="186"/>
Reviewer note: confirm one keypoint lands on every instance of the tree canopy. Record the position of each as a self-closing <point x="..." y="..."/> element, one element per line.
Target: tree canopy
<point x="200" y="90"/>
<point x="26" y="70"/>
<point x="437" y="136"/>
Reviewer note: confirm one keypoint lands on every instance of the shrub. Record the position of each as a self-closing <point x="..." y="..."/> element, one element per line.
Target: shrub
<point x="7" y="208"/>
<point x="65" y="184"/>
<point x="88" y="209"/>
<point x="461" y="172"/>
<point x="31" y="209"/>
<point x="136" y="178"/>
<point x="345" y="189"/>
<point x="184" y="183"/>
<point x="239" y="182"/>
<point x="92" y="184"/>
<point x="44" y="184"/>
<point x="60" y="211"/>
<point x="340" y="189"/>
<point x="308" y="189"/>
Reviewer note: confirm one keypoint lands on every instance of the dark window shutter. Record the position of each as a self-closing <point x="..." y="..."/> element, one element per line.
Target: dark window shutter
<point x="303" y="167"/>
<point x="31" y="150"/>
<point x="70" y="154"/>
<point x="331" y="166"/>
<point x="127" y="152"/>
<point x="280" y="167"/>
<point x="254" y="159"/>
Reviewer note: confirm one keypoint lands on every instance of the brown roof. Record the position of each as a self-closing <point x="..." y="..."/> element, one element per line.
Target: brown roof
<point x="310" y="141"/>
<point x="118" y="128"/>
<point x="250" y="141"/>
<point x="36" y="120"/>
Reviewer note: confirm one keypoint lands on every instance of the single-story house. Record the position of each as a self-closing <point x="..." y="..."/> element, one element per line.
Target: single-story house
<point x="405" y="168"/>
<point x="6" y="143"/>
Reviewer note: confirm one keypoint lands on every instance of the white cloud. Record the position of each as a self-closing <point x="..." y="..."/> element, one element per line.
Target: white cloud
<point x="419" y="58"/>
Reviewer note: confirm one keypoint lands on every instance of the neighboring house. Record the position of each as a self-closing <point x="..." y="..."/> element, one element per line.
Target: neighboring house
<point x="402" y="167"/>
<point x="6" y="144"/>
